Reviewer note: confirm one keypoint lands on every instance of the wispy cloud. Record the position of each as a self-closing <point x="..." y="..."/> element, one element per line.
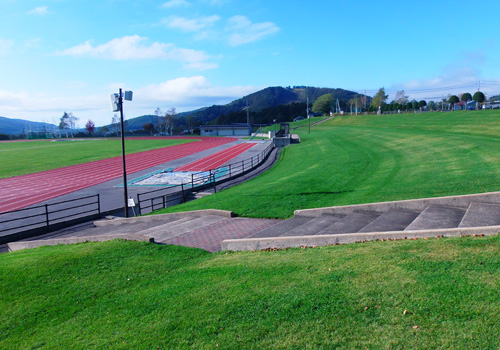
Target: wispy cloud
<point x="191" y="92"/>
<point x="243" y="31"/>
<point x="39" y="11"/>
<point x="5" y="46"/>
<point x="184" y="93"/>
<point x="135" y="48"/>
<point x="217" y="2"/>
<point x="190" y="25"/>
<point x="175" y="4"/>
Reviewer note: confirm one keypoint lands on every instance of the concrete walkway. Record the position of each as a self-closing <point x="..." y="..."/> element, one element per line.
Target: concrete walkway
<point x="207" y="237"/>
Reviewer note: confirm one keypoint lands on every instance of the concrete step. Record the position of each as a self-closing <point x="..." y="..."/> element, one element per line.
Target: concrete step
<point x="436" y="217"/>
<point x="351" y="223"/>
<point x="481" y="214"/>
<point x="393" y="220"/>
<point x="177" y="228"/>
<point x="281" y="228"/>
<point x="313" y="226"/>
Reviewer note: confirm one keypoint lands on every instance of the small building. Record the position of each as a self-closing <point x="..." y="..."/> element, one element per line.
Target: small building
<point x="225" y="130"/>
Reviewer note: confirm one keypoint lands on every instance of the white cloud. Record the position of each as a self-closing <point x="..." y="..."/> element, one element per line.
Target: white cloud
<point x="243" y="31"/>
<point x="191" y="25"/>
<point x="185" y="93"/>
<point x="189" y="90"/>
<point x="217" y="2"/>
<point x="461" y="75"/>
<point x="5" y="46"/>
<point x="175" y="3"/>
<point x="39" y="11"/>
<point x="133" y="48"/>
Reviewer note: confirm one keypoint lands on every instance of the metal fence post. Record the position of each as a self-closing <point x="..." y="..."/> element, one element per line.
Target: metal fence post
<point x="99" y="205"/>
<point x="229" y="170"/>
<point x="139" y="205"/>
<point x="183" y="196"/>
<point x="47" y="217"/>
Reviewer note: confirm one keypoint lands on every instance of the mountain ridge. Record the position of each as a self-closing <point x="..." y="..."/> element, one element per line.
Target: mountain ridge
<point x="285" y="103"/>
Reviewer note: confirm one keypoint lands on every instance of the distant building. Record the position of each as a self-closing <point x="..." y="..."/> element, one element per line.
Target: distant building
<point x="225" y="130"/>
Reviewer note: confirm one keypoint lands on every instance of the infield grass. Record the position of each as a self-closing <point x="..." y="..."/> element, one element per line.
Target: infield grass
<point x="436" y="293"/>
<point x="25" y="157"/>
<point x="364" y="159"/>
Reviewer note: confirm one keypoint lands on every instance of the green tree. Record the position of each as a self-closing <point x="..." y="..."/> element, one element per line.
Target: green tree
<point x="379" y="98"/>
<point x="466" y="98"/>
<point x="323" y="104"/>
<point x="414" y="105"/>
<point x="170" y="120"/>
<point x="479" y="98"/>
<point x="103" y="129"/>
<point x="190" y="123"/>
<point x="452" y="100"/>
<point x="356" y="103"/>
<point x="422" y="103"/>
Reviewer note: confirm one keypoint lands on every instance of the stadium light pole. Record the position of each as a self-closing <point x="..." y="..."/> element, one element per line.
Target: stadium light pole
<point x="117" y="105"/>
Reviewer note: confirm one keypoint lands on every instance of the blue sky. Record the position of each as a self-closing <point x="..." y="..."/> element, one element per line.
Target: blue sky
<point x="69" y="55"/>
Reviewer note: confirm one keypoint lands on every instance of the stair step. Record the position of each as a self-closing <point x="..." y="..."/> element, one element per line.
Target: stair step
<point x="393" y="220"/>
<point x="481" y="214"/>
<point x="175" y="229"/>
<point x="313" y="226"/>
<point x="281" y="228"/>
<point x="351" y="223"/>
<point x="436" y="217"/>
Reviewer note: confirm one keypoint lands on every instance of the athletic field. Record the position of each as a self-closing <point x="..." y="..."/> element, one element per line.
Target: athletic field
<point x="364" y="159"/>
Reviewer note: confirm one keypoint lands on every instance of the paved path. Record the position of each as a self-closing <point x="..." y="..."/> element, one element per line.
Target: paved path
<point x="208" y="238"/>
<point x="25" y="190"/>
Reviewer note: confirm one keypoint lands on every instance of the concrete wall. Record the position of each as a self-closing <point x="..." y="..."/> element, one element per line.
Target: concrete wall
<point x="221" y="130"/>
<point x="282" y="141"/>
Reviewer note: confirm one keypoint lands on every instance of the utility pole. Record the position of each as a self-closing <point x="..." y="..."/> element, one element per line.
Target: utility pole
<point x="308" y="117"/>
<point x="117" y="105"/>
<point x="125" y="190"/>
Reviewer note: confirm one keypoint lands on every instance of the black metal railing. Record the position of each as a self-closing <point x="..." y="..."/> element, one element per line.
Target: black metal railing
<point x="36" y="220"/>
<point x="173" y="195"/>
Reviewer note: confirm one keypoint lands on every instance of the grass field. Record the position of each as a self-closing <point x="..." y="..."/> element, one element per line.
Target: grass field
<point x="363" y="159"/>
<point x="436" y="293"/>
<point x="18" y="158"/>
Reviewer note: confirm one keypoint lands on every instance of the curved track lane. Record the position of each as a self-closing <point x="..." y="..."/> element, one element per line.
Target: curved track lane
<point x="216" y="160"/>
<point x="25" y="190"/>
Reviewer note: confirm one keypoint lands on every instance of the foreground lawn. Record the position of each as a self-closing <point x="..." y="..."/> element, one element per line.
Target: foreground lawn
<point x="437" y="293"/>
<point x="363" y="159"/>
<point x="18" y="158"/>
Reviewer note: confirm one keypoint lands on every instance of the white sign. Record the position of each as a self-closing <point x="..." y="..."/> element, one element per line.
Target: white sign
<point x="131" y="203"/>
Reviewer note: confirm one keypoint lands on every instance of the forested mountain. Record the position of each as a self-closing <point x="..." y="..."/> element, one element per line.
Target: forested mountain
<point x="264" y="106"/>
<point x="21" y="127"/>
<point x="272" y="103"/>
<point x="279" y="103"/>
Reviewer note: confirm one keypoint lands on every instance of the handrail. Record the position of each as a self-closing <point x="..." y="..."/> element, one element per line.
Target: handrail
<point x="43" y="218"/>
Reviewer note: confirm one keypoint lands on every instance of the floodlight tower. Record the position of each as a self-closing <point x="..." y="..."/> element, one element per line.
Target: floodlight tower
<point x="117" y="105"/>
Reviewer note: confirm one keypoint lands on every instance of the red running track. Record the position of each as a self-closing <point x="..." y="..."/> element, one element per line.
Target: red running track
<point x="22" y="191"/>
<point x="217" y="159"/>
